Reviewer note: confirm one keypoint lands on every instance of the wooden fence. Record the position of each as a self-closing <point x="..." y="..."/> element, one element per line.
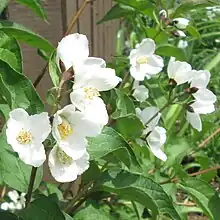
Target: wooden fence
<point x="102" y="37"/>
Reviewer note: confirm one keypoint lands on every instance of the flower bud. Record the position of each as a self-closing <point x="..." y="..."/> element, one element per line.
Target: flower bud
<point x="180" y="23"/>
<point x="179" y="33"/>
<point x="190" y="109"/>
<point x="163" y="14"/>
<point x="193" y="90"/>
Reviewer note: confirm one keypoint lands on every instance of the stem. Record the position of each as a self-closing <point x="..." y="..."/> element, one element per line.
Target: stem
<point x="124" y="80"/>
<point x="67" y="190"/>
<point x="39" y="78"/>
<point x="192" y="174"/>
<point x="76" y="16"/>
<point x="31" y="185"/>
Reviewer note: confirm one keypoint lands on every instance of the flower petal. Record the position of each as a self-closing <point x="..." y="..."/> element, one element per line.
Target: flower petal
<point x="205" y="95"/>
<point x="33" y="155"/>
<point x="72" y="50"/>
<point x="154" y="64"/>
<point x="102" y="79"/>
<point x="147" y="114"/>
<point x="146" y="47"/>
<point x="136" y="73"/>
<point x="67" y="172"/>
<point x="203" y="108"/>
<point x="200" y="78"/>
<point x="141" y="93"/>
<point x="194" y="120"/>
<point x="40" y="126"/>
<point x="159" y="154"/>
<point x="180" y="23"/>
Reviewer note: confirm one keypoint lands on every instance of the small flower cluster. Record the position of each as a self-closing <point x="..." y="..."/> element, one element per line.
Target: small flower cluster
<point x="84" y="117"/>
<point x="17" y="201"/>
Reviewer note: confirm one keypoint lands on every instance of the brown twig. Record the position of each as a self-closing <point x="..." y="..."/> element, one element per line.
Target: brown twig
<point x="3" y="192"/>
<point x="76" y="16"/>
<point x="189" y="204"/>
<point x="191" y="175"/>
<point x="67" y="190"/>
<point x="39" y="78"/>
<point x="209" y="138"/>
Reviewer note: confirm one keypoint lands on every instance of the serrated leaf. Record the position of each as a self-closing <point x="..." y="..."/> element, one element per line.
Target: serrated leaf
<point x="8" y="216"/>
<point x="43" y="208"/>
<point x="36" y="6"/>
<point x="124" y="105"/>
<point x="171" y="51"/>
<point x="204" y="195"/>
<point x="117" y="11"/>
<point x="22" y="33"/>
<point x="139" y="188"/>
<point x="109" y="141"/>
<point x="18" y="90"/>
<point x="91" y="213"/>
<point x="53" y="70"/>
<point x="11" y="45"/>
<point x="129" y="126"/>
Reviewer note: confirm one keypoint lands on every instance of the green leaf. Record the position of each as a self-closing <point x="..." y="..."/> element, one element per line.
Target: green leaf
<point x="204" y="195"/>
<point x="190" y="5"/>
<point x="117" y="11"/>
<point x="18" y="90"/>
<point x="13" y="52"/>
<point x="109" y="141"/>
<point x="139" y="188"/>
<point x="3" y="4"/>
<point x="53" y="189"/>
<point x="67" y="217"/>
<point x="22" y="33"/>
<point x="43" y="208"/>
<point x="129" y="126"/>
<point x="158" y="36"/>
<point x="36" y="6"/>
<point x="193" y="31"/>
<point x="91" y="213"/>
<point x="53" y="70"/>
<point x="124" y="105"/>
<point x="14" y="172"/>
<point x="142" y="6"/>
<point x="8" y="216"/>
<point x="171" y="51"/>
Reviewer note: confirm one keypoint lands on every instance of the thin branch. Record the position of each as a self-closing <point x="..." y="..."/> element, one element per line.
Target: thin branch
<point x="67" y="190"/>
<point x="209" y="138"/>
<point x="31" y="185"/>
<point x="40" y="77"/>
<point x="191" y="175"/>
<point x="76" y="16"/>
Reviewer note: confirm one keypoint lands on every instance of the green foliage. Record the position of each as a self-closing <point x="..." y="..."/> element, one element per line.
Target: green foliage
<point x="8" y="216"/>
<point x="53" y="70"/>
<point x="42" y="208"/>
<point x="3" y="5"/>
<point x="36" y="6"/>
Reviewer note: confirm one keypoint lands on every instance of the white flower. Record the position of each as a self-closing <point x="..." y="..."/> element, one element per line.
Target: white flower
<point x="181" y="34"/>
<point x="197" y="108"/>
<point x="156" y="139"/>
<point x="141" y="93"/>
<point x="91" y="79"/>
<point x="163" y="13"/>
<point x="70" y="128"/>
<point x="179" y="71"/>
<point x="180" y="23"/>
<point x="26" y="133"/>
<point x="182" y="44"/>
<point x="194" y="119"/>
<point x="146" y="114"/>
<point x="200" y="81"/>
<point x="144" y="63"/>
<point x="72" y="50"/>
<point x="13" y="195"/>
<point x="65" y="168"/>
<point x="5" y="206"/>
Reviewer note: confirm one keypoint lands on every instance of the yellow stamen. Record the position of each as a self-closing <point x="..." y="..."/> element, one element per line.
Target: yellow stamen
<point x="91" y="92"/>
<point x="65" y="129"/>
<point x="142" y="60"/>
<point x="24" y="137"/>
<point x="63" y="157"/>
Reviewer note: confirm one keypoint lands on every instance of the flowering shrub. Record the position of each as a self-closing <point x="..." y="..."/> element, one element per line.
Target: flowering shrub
<point x="121" y="139"/>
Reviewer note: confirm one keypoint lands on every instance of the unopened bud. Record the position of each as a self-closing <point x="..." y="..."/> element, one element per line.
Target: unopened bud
<point x="179" y="33"/>
<point x="193" y="90"/>
<point x="190" y="109"/>
<point x="180" y="23"/>
<point x="163" y="14"/>
<point x="172" y="82"/>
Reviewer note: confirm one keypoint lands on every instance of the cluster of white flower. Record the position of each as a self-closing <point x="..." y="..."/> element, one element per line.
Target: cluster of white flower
<point x="84" y="117"/>
<point x="17" y="201"/>
<point x="144" y="63"/>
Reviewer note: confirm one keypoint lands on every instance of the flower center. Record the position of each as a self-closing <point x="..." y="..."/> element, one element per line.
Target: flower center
<point x="63" y="157"/>
<point x="24" y="137"/>
<point x="91" y="92"/>
<point x="65" y="129"/>
<point x="142" y="60"/>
